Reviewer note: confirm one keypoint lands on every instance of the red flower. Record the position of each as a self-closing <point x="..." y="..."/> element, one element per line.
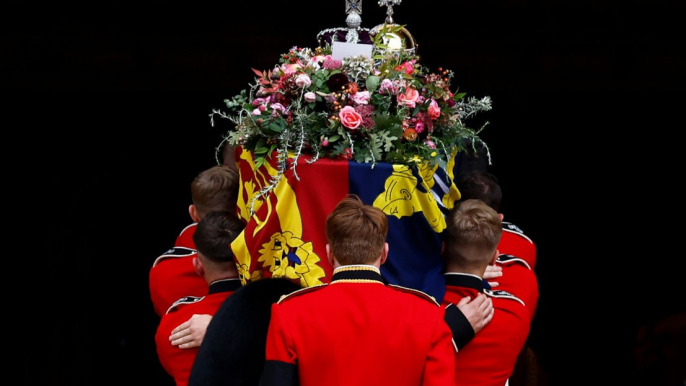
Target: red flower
<point x="347" y="155"/>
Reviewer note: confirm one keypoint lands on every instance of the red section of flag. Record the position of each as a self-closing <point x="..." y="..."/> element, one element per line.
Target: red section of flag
<point x="285" y="236"/>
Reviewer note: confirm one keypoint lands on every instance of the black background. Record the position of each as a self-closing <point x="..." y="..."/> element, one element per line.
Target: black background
<point x="107" y="121"/>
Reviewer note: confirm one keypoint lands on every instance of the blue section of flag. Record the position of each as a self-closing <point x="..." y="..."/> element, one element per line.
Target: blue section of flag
<point x="366" y="182"/>
<point x="414" y="259"/>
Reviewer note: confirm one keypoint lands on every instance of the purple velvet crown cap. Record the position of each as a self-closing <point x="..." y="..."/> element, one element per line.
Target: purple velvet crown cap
<point x="330" y="35"/>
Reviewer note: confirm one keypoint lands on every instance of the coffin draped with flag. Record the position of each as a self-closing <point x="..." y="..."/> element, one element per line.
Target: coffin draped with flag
<point x="285" y="230"/>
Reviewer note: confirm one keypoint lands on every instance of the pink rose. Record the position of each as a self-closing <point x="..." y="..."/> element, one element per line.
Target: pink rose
<point x="349" y="117"/>
<point x="310" y="97"/>
<point x="409" y="97"/>
<point x="277" y="108"/>
<point x="433" y="110"/>
<point x="303" y="81"/>
<point x="360" y="97"/>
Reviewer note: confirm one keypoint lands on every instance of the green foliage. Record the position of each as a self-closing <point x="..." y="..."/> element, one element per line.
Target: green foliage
<point x="403" y="112"/>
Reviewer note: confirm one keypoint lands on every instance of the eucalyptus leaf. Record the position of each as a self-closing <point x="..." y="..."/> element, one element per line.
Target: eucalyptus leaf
<point x="372" y="83"/>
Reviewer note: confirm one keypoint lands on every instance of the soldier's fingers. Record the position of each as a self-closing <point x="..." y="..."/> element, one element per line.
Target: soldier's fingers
<point x="487" y="304"/>
<point x="180" y="334"/>
<point x="181" y="327"/>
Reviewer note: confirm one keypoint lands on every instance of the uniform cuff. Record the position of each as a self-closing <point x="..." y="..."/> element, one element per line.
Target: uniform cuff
<point x="459" y="325"/>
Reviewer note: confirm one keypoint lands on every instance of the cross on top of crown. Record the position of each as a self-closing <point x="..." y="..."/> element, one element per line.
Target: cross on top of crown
<point x="353" y="6"/>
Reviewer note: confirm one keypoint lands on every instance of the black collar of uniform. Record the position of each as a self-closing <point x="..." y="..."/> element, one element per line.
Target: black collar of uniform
<point x="464" y="280"/>
<point x="225" y="285"/>
<point x="357" y="273"/>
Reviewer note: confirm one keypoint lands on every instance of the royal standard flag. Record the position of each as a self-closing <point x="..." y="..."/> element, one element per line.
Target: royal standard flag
<point x="285" y="225"/>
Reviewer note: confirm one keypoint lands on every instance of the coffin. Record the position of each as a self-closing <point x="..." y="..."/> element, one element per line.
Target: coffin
<point x="285" y="216"/>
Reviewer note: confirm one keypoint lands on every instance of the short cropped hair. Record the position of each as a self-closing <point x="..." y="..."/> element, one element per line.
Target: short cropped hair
<point x="214" y="234"/>
<point x="473" y="231"/>
<point x="356" y="232"/>
<point x="481" y="185"/>
<point x="215" y="188"/>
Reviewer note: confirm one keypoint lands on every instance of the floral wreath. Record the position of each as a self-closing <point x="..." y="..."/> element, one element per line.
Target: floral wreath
<point x="387" y="108"/>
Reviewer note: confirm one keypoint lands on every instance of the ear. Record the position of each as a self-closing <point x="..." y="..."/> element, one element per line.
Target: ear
<point x="502" y="216"/>
<point x="329" y="255"/>
<point x="495" y="257"/>
<point x="384" y="254"/>
<point x="194" y="213"/>
<point x="197" y="265"/>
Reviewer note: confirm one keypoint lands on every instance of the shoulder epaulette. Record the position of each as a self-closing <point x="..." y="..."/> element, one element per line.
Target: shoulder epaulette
<point x="507" y="259"/>
<point x="502" y="295"/>
<point x="300" y="292"/>
<point x="175" y="252"/>
<point x="512" y="228"/>
<point x="185" y="300"/>
<point x="417" y="292"/>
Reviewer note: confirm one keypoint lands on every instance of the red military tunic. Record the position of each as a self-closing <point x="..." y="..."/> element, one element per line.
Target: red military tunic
<point x="517" y="273"/>
<point x="489" y="358"/>
<point x="358" y="331"/>
<point x="173" y="276"/>
<point x="515" y="242"/>
<point x="185" y="238"/>
<point x="176" y="361"/>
